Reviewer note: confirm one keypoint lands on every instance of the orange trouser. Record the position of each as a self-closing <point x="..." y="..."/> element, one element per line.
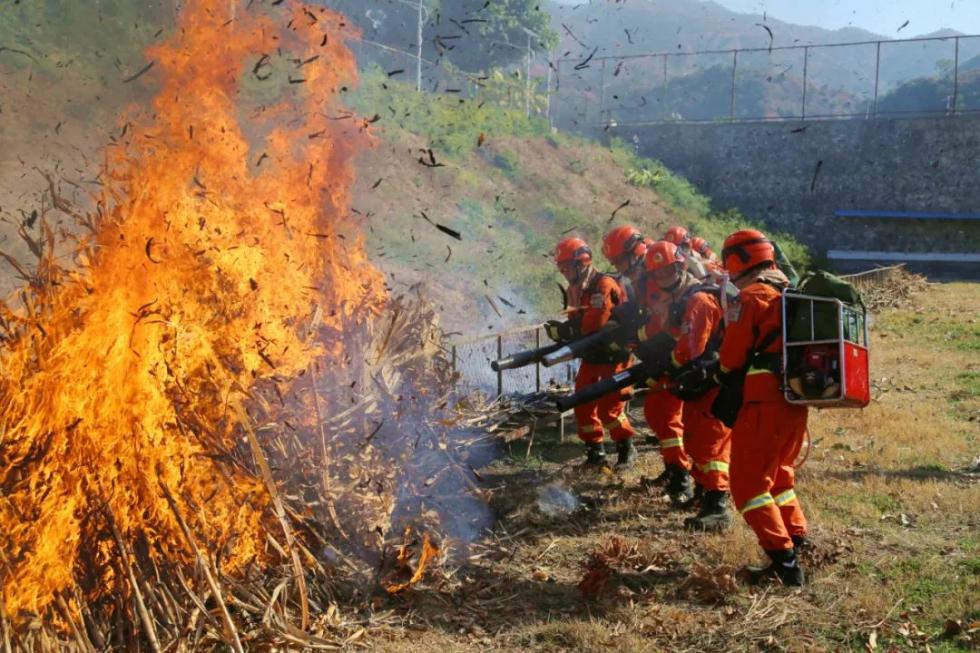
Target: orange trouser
<point x="664" y="414"/>
<point x="708" y="442"/>
<point x="607" y="412"/>
<point x="766" y="440"/>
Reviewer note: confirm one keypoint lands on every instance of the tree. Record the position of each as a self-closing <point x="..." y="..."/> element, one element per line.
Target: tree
<point x="474" y="35"/>
<point x="480" y="35"/>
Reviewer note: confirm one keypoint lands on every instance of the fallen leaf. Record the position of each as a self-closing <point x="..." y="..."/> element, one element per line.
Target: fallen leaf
<point x="872" y="643"/>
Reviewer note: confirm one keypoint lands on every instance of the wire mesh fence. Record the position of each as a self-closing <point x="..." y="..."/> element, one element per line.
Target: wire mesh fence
<point x="471" y="361"/>
<point x="914" y="77"/>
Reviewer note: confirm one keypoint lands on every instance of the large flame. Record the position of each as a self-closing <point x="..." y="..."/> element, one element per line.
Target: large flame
<point x="210" y="253"/>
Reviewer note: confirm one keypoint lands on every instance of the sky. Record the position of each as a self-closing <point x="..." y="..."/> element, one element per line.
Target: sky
<point x="883" y="17"/>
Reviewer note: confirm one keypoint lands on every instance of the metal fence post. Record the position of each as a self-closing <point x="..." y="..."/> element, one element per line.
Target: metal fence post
<point x="500" y="373"/>
<point x="454" y="358"/>
<point x="665" y="89"/>
<point x="956" y="75"/>
<point x="602" y="92"/>
<point x="551" y="120"/>
<point x="418" y="37"/>
<point x="527" y="82"/>
<point x="877" y="77"/>
<point x="734" y="69"/>
<point x="806" y="62"/>
<point x="537" y="364"/>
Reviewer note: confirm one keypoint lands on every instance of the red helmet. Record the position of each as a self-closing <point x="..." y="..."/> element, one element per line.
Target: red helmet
<point x="746" y="249"/>
<point x="622" y="241"/>
<point x="677" y="235"/>
<point x="700" y="245"/>
<point x="573" y="249"/>
<point x="662" y="254"/>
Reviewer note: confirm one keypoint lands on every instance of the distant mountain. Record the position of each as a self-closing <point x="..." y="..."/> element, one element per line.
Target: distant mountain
<point x="769" y="82"/>
<point x="641" y="26"/>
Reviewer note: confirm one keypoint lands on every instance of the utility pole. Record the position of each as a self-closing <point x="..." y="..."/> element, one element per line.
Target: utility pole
<point x="527" y="81"/>
<point x="423" y="15"/>
<point x="418" y="54"/>
<point x="527" y="93"/>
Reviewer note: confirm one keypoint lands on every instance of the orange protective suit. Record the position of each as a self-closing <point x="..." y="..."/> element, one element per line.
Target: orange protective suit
<point x="593" y="302"/>
<point x="769" y="432"/>
<point x="663" y="411"/>
<point x="706" y="440"/>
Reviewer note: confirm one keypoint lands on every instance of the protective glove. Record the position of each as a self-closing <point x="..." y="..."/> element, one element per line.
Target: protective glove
<point x="721" y="377"/>
<point x="656" y="351"/>
<point x="559" y="331"/>
<point x="697" y="374"/>
<point x="628" y="315"/>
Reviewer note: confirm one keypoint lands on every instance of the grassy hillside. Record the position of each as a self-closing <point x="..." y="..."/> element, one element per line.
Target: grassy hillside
<point x="512" y="189"/>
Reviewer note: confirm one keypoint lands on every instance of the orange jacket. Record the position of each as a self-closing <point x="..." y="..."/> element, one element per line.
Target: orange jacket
<point x="702" y="318"/>
<point x="757" y="313"/>
<point x="593" y="302"/>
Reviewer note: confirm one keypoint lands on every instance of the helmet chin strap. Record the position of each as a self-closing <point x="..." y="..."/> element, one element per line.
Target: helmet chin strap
<point x="677" y="282"/>
<point x="636" y="264"/>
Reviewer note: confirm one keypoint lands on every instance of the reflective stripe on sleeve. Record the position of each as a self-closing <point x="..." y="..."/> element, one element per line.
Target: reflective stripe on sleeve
<point x="671" y="443"/>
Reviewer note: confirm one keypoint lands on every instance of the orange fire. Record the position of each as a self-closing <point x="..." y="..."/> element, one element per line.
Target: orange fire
<point x="214" y="246"/>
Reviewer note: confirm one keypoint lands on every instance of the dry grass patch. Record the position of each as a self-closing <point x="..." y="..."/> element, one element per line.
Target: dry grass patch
<point x="888" y="490"/>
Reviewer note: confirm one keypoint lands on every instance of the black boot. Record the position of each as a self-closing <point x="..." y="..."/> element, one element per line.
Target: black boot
<point x="652" y="440"/>
<point x="714" y="515"/>
<point x="680" y="489"/>
<point x="595" y="455"/>
<point x="695" y="501"/>
<point x="662" y="479"/>
<point x="801" y="543"/>
<point x="784" y="567"/>
<point x="626" y="454"/>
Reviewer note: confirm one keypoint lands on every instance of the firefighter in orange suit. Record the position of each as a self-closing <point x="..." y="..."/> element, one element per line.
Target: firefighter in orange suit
<point x="681" y="237"/>
<point x="624" y="248"/>
<point x="695" y="322"/>
<point x="700" y="247"/>
<point x="664" y="411"/>
<point x="768" y="432"/>
<point x="591" y="299"/>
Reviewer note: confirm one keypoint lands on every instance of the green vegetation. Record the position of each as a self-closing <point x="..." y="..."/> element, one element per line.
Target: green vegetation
<point x="450" y="124"/>
<point x="944" y="331"/>
<point x="694" y="209"/>
<point x="85" y="51"/>
<point x="481" y="35"/>
<point x="969" y="384"/>
<point x="514" y="188"/>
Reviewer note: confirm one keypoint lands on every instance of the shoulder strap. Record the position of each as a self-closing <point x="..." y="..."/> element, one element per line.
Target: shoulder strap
<point x="617" y="298"/>
<point x="678" y="307"/>
<point x="768" y="340"/>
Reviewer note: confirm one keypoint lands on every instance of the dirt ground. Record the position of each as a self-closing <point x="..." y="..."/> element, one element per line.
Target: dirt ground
<point x="891" y="492"/>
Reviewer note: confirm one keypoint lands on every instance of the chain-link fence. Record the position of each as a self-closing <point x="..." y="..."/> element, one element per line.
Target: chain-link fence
<point x="471" y="360"/>
<point x="869" y="79"/>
